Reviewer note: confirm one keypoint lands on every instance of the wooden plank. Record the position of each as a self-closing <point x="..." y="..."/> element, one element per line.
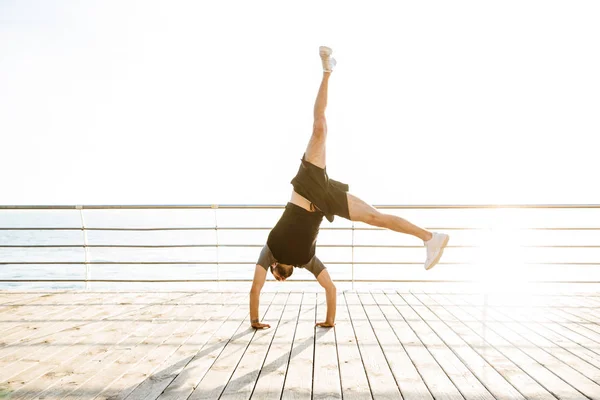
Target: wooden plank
<point x="205" y="298"/>
<point x="213" y="383"/>
<point x="155" y="365"/>
<point x="58" y="348"/>
<point x="381" y="379"/>
<point x="36" y="316"/>
<point x="563" y="342"/>
<point x="565" y="316"/>
<point x="40" y="338"/>
<point x="25" y="321"/>
<point x="299" y="377"/>
<point x="570" y="357"/>
<point x="76" y="316"/>
<point x="243" y="380"/>
<point x="587" y="315"/>
<point x="590" y="331"/>
<point x="15" y="306"/>
<point x="41" y="298"/>
<point x="487" y="375"/>
<point x="407" y="376"/>
<point x="550" y="361"/>
<point x="463" y="378"/>
<point x="355" y="385"/>
<point x="206" y="343"/>
<point x="47" y="373"/>
<point x="548" y="350"/>
<point x="326" y="379"/>
<point x="23" y="312"/>
<point x="269" y="385"/>
<point x="52" y="346"/>
<point x="582" y="335"/>
<point x="186" y="329"/>
<point x="583" y="310"/>
<point x="10" y="298"/>
<point x="105" y="347"/>
<point x="543" y="375"/>
<point x="18" y="326"/>
<point x="527" y="386"/>
<point x="519" y="319"/>
<point x="434" y="377"/>
<point x="560" y="322"/>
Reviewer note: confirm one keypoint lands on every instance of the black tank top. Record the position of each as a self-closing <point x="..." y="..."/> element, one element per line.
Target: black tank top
<point x="293" y="240"/>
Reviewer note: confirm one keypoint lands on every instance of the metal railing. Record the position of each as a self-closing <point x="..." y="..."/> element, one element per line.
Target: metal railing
<point x="592" y="228"/>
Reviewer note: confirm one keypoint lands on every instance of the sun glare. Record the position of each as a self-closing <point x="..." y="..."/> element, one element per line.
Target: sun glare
<point x="502" y="254"/>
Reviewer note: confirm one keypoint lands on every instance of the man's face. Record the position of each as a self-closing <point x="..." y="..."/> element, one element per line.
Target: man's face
<point x="276" y="275"/>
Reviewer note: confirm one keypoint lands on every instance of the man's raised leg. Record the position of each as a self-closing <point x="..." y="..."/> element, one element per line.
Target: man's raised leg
<point x="363" y="212"/>
<point x="316" y="150"/>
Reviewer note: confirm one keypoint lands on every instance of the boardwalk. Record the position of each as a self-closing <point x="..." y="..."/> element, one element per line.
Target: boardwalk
<point x="386" y="345"/>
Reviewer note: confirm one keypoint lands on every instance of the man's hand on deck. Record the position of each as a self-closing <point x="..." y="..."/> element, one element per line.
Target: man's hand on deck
<point x="325" y="324"/>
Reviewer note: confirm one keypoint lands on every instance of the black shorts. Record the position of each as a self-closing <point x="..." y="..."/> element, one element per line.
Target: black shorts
<point x="328" y="195"/>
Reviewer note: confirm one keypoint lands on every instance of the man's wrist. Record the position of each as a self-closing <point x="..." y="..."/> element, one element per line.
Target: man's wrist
<point x="254" y="321"/>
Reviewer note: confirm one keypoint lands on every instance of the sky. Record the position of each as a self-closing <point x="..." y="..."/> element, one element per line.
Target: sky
<point x="198" y="102"/>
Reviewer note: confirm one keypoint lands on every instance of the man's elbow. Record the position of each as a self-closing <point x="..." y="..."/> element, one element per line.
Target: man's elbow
<point x="255" y="290"/>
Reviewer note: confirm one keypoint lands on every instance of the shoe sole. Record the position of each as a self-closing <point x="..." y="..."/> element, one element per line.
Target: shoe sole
<point x="325" y="50"/>
<point x="437" y="259"/>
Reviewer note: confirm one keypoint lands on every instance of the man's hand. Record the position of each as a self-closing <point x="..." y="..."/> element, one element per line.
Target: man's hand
<point x="260" y="275"/>
<point x="258" y="325"/>
<point x="325" y="324"/>
<point x="330" y="292"/>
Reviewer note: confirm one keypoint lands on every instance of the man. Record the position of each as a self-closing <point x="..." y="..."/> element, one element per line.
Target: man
<point x="291" y="243"/>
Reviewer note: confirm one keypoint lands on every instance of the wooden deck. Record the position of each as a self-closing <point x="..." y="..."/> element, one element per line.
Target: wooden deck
<point x="386" y="345"/>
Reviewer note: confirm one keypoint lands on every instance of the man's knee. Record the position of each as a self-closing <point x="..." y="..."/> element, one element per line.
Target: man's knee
<point x="320" y="126"/>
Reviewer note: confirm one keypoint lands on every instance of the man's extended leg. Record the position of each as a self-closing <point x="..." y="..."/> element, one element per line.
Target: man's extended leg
<point x="363" y="212"/>
<point x="315" y="152"/>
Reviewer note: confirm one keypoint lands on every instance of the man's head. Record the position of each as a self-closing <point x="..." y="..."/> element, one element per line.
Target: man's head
<point x="282" y="271"/>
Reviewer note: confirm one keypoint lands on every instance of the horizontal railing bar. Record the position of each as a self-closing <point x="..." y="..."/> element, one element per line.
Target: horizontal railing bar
<point x="295" y="280"/>
<point x="253" y="263"/>
<point x="169" y="246"/>
<point x="241" y="228"/>
<point x="201" y="228"/>
<point x="106" y="291"/>
<point x="281" y="206"/>
<point x="184" y="262"/>
<point x="376" y="246"/>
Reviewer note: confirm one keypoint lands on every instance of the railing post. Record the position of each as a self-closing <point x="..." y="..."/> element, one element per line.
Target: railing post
<point x="215" y="207"/>
<point x="85" y="248"/>
<point x="352" y="255"/>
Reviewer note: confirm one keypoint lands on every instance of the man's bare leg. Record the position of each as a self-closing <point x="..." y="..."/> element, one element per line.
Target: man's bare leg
<point x="316" y="154"/>
<point x="316" y="149"/>
<point x="434" y="242"/>
<point x="363" y="212"/>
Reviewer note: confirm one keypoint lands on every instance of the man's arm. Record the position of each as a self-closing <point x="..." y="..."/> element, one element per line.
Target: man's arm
<point x="260" y="275"/>
<point x="330" y="291"/>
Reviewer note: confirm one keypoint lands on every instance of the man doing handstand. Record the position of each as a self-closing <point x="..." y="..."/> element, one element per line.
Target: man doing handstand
<point x="292" y="242"/>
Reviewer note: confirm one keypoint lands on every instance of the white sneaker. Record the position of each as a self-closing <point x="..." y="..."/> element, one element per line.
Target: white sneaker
<point x="435" y="248"/>
<point x="326" y="59"/>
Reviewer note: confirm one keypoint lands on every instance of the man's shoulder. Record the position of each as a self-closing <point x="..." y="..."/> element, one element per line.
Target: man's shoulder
<point x="266" y="258"/>
<point x="315" y="266"/>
